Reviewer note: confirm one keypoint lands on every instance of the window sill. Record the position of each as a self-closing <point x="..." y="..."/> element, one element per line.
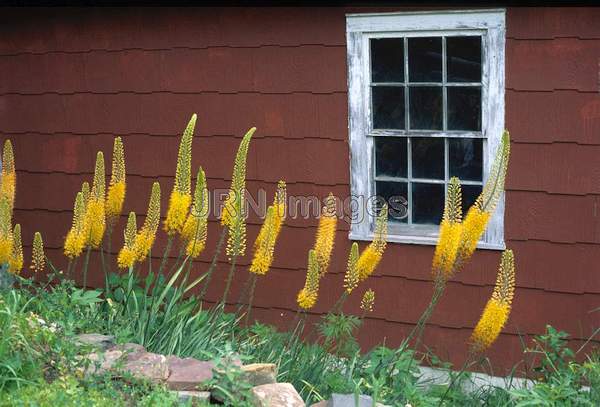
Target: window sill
<point x="419" y="240"/>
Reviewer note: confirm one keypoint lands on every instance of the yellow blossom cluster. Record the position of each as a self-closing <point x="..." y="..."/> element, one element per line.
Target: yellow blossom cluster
<point x="195" y="230"/>
<point x="38" y="258"/>
<point x="15" y="264"/>
<point x="326" y="234"/>
<point x="264" y="246"/>
<point x="117" y="186"/>
<point x="497" y="310"/>
<point x="371" y="256"/>
<point x="368" y="301"/>
<point x="94" y="220"/>
<point x="181" y="196"/>
<point x="351" y="278"/>
<point x="307" y="297"/>
<point x="9" y="175"/>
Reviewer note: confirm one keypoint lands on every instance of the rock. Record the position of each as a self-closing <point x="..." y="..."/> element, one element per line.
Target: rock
<point x="188" y="373"/>
<point x="276" y="395"/>
<point x="349" y="400"/>
<point x="322" y="403"/>
<point x="103" y="342"/>
<point x="195" y="397"/>
<point x="260" y="373"/>
<point x="129" y="348"/>
<point x="103" y="361"/>
<point x="146" y="365"/>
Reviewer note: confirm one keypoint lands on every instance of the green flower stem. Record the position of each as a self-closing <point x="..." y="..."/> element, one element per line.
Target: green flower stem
<point x="166" y="253"/>
<point x="213" y="263"/>
<point x="86" y="263"/>
<point x="229" y="280"/>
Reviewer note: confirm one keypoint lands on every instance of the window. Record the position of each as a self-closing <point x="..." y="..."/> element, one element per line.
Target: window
<point x="426" y="103"/>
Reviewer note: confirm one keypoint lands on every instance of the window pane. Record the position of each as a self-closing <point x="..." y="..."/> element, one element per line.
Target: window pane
<point x="427" y="203"/>
<point x="388" y="107"/>
<point x="466" y="158"/>
<point x="469" y="195"/>
<point x="387" y="60"/>
<point x="396" y="196"/>
<point x="425" y="59"/>
<point x="463" y="56"/>
<point x="427" y="157"/>
<point x="390" y="156"/>
<point x="426" y="108"/>
<point x="464" y="108"/>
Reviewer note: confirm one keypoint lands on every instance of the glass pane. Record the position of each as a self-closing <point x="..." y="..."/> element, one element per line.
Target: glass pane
<point x="466" y="158"/>
<point x="463" y="56"/>
<point x="469" y="195"/>
<point x="427" y="157"/>
<point x="390" y="156"/>
<point x="388" y="107"/>
<point x="426" y="108"/>
<point x="396" y="195"/>
<point x="425" y="59"/>
<point x="427" y="203"/>
<point x="387" y="60"/>
<point x="464" y="108"/>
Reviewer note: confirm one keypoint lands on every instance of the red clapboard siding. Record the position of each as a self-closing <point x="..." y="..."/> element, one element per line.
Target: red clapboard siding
<point x="282" y="115"/>
<point x="77" y="78"/>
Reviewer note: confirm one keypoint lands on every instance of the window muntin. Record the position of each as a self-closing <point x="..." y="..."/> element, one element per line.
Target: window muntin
<point x="458" y="61"/>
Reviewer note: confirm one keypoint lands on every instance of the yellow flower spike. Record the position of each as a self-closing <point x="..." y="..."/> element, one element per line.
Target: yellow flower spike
<point x="15" y="265"/>
<point x="38" y="259"/>
<point x="6" y="237"/>
<point x="307" y="297"/>
<point x="117" y="187"/>
<point x="497" y="310"/>
<point x="351" y="279"/>
<point x="75" y="240"/>
<point x="371" y="256"/>
<point x="94" y="223"/>
<point x="264" y="246"/>
<point x="181" y="198"/>
<point x="234" y="214"/>
<point x="85" y="193"/>
<point x="144" y="240"/>
<point x="368" y="301"/>
<point x="9" y="176"/>
<point x="196" y="226"/>
<point x="326" y="233"/>
<point x="127" y="255"/>
<point x="446" y="250"/>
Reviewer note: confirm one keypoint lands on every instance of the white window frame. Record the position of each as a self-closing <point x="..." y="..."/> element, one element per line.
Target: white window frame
<point x="490" y="24"/>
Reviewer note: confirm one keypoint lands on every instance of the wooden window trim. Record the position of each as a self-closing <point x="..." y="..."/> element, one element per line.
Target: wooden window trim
<point x="359" y="28"/>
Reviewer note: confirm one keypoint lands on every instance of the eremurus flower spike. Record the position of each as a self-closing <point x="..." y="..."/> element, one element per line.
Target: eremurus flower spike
<point x="371" y="256"/>
<point x="307" y="297"/>
<point x="75" y="240"/>
<point x="117" y="186"/>
<point x="368" y="301"/>
<point x="446" y="249"/>
<point x="38" y="258"/>
<point x="181" y="196"/>
<point x="6" y="237"/>
<point x="351" y="279"/>
<point x="497" y="310"/>
<point x="144" y="240"/>
<point x="195" y="229"/>
<point x="326" y="234"/>
<point x="233" y="214"/>
<point x="9" y="175"/>
<point x="127" y="255"/>
<point x="15" y="265"/>
<point x="94" y="219"/>
<point x="264" y="246"/>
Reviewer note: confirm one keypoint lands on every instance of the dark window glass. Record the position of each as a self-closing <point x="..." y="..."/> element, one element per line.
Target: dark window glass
<point x="427" y="203"/>
<point x="463" y="56"/>
<point x="425" y="59"/>
<point x="464" y="108"/>
<point x="396" y="196"/>
<point x="469" y="195"/>
<point x="427" y="157"/>
<point x="390" y="156"/>
<point x="387" y="60"/>
<point x="426" y="106"/>
<point x="388" y="107"/>
<point x="466" y="158"/>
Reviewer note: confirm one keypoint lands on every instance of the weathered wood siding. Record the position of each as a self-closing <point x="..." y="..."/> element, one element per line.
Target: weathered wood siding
<point x="71" y="79"/>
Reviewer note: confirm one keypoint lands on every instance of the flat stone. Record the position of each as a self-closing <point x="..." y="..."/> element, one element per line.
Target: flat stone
<point x="103" y="342"/>
<point x="322" y="403"/>
<point x="102" y="361"/>
<point x="349" y="400"/>
<point x="276" y="395"/>
<point x="188" y="373"/>
<point x="260" y="373"/>
<point x="193" y="397"/>
<point x="129" y="347"/>
<point x="146" y="365"/>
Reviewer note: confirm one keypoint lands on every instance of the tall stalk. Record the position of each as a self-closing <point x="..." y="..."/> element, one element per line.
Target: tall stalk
<point x="229" y="280"/>
<point x="253" y="279"/>
<point x="86" y="262"/>
<point x="213" y="263"/>
<point x="163" y="262"/>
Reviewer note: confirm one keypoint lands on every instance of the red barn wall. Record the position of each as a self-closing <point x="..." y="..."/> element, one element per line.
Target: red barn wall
<point x="73" y="79"/>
